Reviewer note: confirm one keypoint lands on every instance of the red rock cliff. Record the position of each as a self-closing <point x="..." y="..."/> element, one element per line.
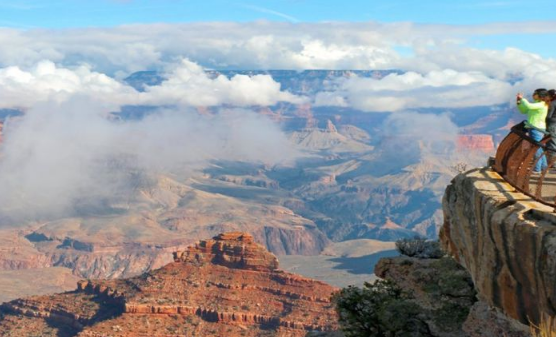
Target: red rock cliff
<point x="225" y="286"/>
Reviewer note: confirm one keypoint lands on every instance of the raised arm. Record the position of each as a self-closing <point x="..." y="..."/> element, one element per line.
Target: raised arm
<point x="524" y="105"/>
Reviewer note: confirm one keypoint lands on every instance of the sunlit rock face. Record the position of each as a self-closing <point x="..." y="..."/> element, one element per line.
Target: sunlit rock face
<point x="226" y="286"/>
<point x="234" y="250"/>
<point x="506" y="241"/>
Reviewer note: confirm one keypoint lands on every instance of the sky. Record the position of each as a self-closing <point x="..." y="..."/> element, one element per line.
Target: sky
<point x="79" y="13"/>
<point x="63" y="63"/>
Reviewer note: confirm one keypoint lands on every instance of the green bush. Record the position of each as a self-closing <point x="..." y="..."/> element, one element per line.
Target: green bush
<point x="378" y="309"/>
<point x="453" y="280"/>
<point x="420" y="248"/>
<point x="450" y="316"/>
<point x="444" y="294"/>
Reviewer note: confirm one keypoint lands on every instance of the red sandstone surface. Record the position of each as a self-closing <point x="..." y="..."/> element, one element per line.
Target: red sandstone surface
<point x="482" y="143"/>
<point x="226" y="286"/>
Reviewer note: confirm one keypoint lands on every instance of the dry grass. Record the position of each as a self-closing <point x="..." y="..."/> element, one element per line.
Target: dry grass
<point x="545" y="328"/>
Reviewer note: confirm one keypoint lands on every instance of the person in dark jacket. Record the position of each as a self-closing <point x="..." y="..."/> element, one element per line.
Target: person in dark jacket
<point x="551" y="124"/>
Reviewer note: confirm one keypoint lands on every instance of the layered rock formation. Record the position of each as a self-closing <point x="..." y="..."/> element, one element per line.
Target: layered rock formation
<point x="505" y="240"/>
<point x="163" y="215"/>
<point x="227" y="286"/>
<point x="233" y="250"/>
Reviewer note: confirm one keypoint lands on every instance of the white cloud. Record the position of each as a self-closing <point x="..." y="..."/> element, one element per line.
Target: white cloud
<point x="46" y="82"/>
<point x="187" y="85"/>
<point x="412" y="136"/>
<point x="441" y="89"/>
<point x="498" y="64"/>
<point x="417" y="126"/>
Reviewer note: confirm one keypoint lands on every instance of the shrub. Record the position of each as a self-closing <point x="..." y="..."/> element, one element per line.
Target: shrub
<point x="452" y="279"/>
<point x="445" y="295"/>
<point x="378" y="309"/>
<point x="459" y="167"/>
<point x="546" y="327"/>
<point x="450" y="316"/>
<point x="420" y="248"/>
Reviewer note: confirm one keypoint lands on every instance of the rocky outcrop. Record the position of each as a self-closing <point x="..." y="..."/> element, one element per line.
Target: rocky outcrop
<point x="486" y="321"/>
<point x="444" y="292"/>
<point x="215" y="316"/>
<point x="16" y="252"/>
<point x="233" y="250"/>
<point x="330" y="127"/>
<point x="122" y="263"/>
<point x="225" y="286"/>
<point x="505" y="240"/>
<point x="258" y="181"/>
<point x="329" y="179"/>
<point x="301" y="240"/>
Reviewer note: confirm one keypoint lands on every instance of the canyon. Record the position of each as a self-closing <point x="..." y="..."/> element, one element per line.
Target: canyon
<point x="352" y="182"/>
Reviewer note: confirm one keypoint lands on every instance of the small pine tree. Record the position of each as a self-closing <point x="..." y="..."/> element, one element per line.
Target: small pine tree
<point x="420" y="248"/>
<point x="378" y="309"/>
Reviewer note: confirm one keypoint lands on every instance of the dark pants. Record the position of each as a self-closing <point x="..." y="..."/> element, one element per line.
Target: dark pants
<point x="551" y="144"/>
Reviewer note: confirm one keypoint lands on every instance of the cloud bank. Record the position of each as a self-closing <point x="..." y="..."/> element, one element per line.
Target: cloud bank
<point x="264" y="45"/>
<point x="63" y="158"/>
<point x="443" y="71"/>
